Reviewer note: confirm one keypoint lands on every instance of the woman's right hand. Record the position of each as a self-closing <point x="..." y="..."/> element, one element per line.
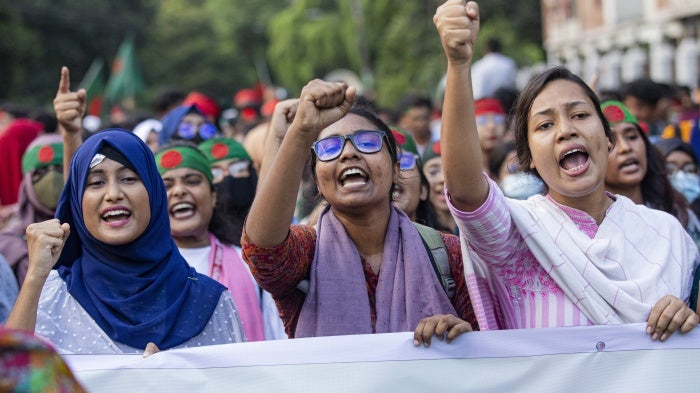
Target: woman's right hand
<point x="457" y="23"/>
<point x="45" y="240"/>
<point x="321" y="104"/>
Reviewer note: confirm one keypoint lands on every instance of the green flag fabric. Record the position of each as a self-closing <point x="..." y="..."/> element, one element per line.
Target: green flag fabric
<point x="125" y="82"/>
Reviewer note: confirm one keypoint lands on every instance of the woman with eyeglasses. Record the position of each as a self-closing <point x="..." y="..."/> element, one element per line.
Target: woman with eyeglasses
<point x="186" y="122"/>
<point x="636" y="169"/>
<point x="204" y="235"/>
<point x="577" y="256"/>
<point x="364" y="268"/>
<point x="412" y="190"/>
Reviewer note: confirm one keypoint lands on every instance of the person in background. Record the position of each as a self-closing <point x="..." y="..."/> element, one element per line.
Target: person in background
<point x="513" y="181"/>
<point x="121" y="286"/>
<point x="148" y="131"/>
<point x="413" y="113"/>
<point x="205" y="242"/>
<point x="42" y="183"/>
<point x="491" y="124"/>
<point x="682" y="168"/>
<point x="411" y="193"/>
<point x="186" y="122"/>
<point x="493" y="71"/>
<point x="577" y="256"/>
<point x="206" y="105"/>
<point x="646" y="100"/>
<point x="166" y="100"/>
<point x="636" y="169"/>
<point x="434" y="172"/>
<point x="13" y="143"/>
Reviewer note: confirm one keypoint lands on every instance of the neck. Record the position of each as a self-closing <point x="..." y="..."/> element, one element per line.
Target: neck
<point x="595" y="204"/>
<point x="192" y="241"/>
<point x="367" y="231"/>
<point x="422" y="139"/>
<point x="634" y="193"/>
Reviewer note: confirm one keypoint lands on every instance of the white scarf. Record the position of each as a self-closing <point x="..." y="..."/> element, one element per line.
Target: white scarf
<point x="638" y="256"/>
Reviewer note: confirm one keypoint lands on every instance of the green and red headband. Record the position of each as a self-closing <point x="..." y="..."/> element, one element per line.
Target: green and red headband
<point x="41" y="156"/>
<point x="433" y="150"/>
<point x="183" y="157"/>
<point x="616" y="112"/>
<point x="404" y="140"/>
<point x="218" y="149"/>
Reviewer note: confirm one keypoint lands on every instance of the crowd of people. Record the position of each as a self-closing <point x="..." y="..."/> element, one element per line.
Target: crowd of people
<point x="325" y="215"/>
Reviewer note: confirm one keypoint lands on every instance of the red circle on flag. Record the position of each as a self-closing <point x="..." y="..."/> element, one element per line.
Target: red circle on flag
<point x="400" y="138"/>
<point x="614" y="114"/>
<point x="436" y="148"/>
<point x="171" y="159"/>
<point x="46" y="154"/>
<point x="219" y="150"/>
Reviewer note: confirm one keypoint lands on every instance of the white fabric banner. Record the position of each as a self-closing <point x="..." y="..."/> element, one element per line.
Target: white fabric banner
<point x="620" y="358"/>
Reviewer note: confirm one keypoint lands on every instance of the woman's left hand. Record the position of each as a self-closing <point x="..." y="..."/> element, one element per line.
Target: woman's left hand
<point x="668" y="315"/>
<point x="438" y="325"/>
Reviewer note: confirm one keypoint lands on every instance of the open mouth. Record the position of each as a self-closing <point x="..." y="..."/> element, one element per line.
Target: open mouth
<point x="116" y="215"/>
<point x="182" y="210"/>
<point x="353" y="176"/>
<point x="629" y="164"/>
<point x="574" y="159"/>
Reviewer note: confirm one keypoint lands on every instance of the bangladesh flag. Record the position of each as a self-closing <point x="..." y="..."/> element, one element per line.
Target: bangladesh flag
<point x="125" y="81"/>
<point x="94" y="84"/>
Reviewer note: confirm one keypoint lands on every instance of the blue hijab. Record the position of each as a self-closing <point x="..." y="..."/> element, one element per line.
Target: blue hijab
<point x="139" y="292"/>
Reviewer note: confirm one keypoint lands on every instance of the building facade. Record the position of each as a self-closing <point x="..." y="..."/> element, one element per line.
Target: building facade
<point x="623" y="40"/>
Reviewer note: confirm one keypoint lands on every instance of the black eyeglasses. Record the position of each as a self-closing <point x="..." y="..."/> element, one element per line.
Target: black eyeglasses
<point x="365" y="141"/>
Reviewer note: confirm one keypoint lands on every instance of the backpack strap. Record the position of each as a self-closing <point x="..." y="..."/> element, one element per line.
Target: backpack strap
<point x="438" y="257"/>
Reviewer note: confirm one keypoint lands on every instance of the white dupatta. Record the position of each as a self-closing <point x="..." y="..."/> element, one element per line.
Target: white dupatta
<point x="638" y="256"/>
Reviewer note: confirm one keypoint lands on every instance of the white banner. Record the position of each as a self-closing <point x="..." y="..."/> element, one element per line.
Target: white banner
<point x="618" y="358"/>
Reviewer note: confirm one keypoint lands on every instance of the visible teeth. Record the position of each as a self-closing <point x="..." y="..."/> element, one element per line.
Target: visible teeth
<point x="113" y="213"/>
<point x="573" y="151"/>
<point x="577" y="168"/>
<point x="181" y="206"/>
<point x="351" y="171"/>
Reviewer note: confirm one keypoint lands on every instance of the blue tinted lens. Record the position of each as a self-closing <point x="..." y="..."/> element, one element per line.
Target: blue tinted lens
<point x="367" y="141"/>
<point x="186" y="131"/>
<point x="407" y="161"/>
<point x="207" y="131"/>
<point x="328" y="148"/>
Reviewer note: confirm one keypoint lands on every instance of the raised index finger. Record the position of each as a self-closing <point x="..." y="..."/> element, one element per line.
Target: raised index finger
<point x="64" y="84"/>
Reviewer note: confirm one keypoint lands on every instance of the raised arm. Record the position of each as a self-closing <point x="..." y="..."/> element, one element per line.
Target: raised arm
<point x="320" y="105"/>
<point x="282" y="118"/>
<point x="70" y="108"/>
<point x="458" y="26"/>
<point x="45" y="241"/>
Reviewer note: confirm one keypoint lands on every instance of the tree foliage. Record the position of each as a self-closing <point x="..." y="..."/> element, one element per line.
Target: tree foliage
<point x="220" y="46"/>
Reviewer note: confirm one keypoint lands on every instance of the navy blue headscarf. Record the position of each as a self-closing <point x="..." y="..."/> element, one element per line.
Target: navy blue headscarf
<point x="139" y="292"/>
<point x="171" y="121"/>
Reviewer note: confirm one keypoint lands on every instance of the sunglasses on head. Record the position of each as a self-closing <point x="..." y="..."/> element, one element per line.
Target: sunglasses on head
<point x="188" y="130"/>
<point x="365" y="141"/>
<point x="407" y="161"/>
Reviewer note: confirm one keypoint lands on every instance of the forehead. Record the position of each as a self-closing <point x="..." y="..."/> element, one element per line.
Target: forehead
<point x="193" y="117"/>
<point x="107" y="165"/>
<point x="347" y="125"/>
<point x="557" y="94"/>
<point x="624" y="127"/>
<point x="181" y="172"/>
<point x="679" y="156"/>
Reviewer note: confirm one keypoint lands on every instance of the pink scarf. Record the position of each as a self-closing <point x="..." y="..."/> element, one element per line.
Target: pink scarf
<point x="227" y="267"/>
<point x="337" y="304"/>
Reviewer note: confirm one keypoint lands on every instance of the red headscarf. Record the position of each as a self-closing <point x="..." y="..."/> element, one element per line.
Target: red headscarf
<point x="13" y="142"/>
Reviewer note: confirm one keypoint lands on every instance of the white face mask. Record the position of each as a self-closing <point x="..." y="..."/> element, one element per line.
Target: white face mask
<point x="687" y="184"/>
<point x="521" y="185"/>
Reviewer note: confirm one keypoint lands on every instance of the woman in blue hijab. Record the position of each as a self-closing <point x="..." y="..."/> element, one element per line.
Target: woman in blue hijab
<point x="121" y="282"/>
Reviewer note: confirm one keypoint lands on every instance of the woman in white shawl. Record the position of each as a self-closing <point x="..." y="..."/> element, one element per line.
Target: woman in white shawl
<point x="577" y="256"/>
